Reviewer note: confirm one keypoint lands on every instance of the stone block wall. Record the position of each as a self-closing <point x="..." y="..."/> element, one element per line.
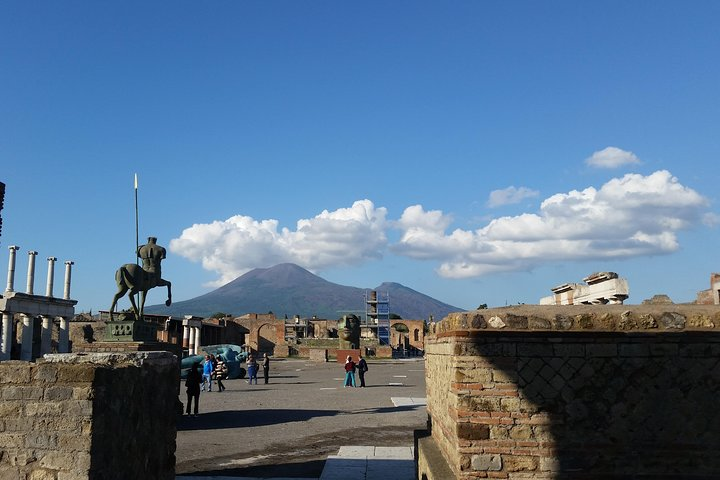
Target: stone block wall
<point x="70" y="416"/>
<point x="576" y="392"/>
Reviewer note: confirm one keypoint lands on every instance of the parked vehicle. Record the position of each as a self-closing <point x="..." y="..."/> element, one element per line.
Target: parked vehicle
<point x="233" y="355"/>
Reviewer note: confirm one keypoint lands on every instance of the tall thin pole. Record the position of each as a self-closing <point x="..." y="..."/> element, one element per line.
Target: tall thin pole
<point x="137" y="235"/>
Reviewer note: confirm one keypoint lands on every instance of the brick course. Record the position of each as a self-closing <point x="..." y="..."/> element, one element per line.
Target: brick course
<point x="576" y="392"/>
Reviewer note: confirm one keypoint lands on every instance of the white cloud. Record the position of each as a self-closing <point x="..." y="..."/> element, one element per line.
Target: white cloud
<point x="611" y="157"/>
<point x="630" y="216"/>
<point x="234" y="246"/>
<point x="510" y="195"/>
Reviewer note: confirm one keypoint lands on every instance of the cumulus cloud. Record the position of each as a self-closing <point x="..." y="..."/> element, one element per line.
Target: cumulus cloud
<point x="630" y="216"/>
<point x="234" y="246"/>
<point x="611" y="157"/>
<point x="510" y="195"/>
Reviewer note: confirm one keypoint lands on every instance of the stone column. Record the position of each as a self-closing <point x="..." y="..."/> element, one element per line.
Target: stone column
<point x="27" y="338"/>
<point x="64" y="336"/>
<point x="31" y="272"/>
<point x="51" y="276"/>
<point x="7" y="336"/>
<point x="46" y="335"/>
<point x="191" y="341"/>
<point x="186" y="338"/>
<point x="198" y="342"/>
<point x="68" y="273"/>
<point x="11" y="268"/>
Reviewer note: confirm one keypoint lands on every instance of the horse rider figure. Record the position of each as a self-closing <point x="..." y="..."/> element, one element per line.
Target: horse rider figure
<point x="135" y="279"/>
<point x="151" y="254"/>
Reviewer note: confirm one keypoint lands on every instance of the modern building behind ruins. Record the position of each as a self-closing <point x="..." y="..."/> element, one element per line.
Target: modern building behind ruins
<point x="600" y="288"/>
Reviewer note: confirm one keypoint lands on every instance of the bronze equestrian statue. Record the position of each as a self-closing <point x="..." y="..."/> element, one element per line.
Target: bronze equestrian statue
<point x="133" y="278"/>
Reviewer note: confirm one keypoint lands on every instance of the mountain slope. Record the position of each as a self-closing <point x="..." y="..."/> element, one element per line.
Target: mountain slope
<point x="288" y="289"/>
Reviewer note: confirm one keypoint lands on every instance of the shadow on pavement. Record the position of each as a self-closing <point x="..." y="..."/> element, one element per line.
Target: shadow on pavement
<point x="309" y="469"/>
<point x="248" y="418"/>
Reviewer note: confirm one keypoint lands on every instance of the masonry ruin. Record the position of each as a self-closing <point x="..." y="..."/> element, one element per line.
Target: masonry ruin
<point x="573" y="392"/>
<point x="600" y="288"/>
<point x="89" y="416"/>
<point x="18" y="337"/>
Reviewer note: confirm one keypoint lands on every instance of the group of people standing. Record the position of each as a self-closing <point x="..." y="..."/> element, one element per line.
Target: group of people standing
<point x="350" y="368"/>
<point x="252" y="368"/>
<point x="215" y="368"/>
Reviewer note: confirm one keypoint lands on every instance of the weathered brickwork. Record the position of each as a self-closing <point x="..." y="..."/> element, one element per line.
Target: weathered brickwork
<point x="566" y="392"/>
<point x="109" y="416"/>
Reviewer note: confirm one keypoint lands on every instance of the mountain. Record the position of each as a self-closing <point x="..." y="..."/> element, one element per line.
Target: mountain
<point x="288" y="289"/>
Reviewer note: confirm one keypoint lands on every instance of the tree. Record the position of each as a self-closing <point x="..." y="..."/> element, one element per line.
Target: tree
<point x="482" y="306"/>
<point x="220" y="315"/>
<point x="395" y="316"/>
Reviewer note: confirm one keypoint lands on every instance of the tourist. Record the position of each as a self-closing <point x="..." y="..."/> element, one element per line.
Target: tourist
<point x="252" y="368"/>
<point x="362" y="368"/>
<point x="349" y="372"/>
<point x="207" y="374"/>
<point x="266" y="367"/>
<point x="193" y="387"/>
<point x="221" y="372"/>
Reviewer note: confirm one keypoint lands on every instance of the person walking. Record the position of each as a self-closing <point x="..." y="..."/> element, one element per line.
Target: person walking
<point x="349" y="372"/>
<point x="266" y="367"/>
<point x="207" y="374"/>
<point x="192" y="384"/>
<point x="362" y="368"/>
<point x="221" y="372"/>
<point x="252" y="368"/>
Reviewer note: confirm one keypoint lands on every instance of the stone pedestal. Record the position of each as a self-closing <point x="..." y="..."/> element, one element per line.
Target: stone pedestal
<point x="130" y="331"/>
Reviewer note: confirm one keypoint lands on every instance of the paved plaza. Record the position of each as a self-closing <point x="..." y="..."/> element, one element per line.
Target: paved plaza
<point x="305" y="424"/>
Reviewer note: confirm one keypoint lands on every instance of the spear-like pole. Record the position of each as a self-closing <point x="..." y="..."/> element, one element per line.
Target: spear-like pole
<point x="137" y="233"/>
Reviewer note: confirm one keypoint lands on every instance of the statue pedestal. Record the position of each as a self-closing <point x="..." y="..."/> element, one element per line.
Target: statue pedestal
<point x="130" y="331"/>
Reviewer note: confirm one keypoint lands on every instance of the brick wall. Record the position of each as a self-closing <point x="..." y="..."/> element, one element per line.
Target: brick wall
<point x="109" y="416"/>
<point x="576" y="392"/>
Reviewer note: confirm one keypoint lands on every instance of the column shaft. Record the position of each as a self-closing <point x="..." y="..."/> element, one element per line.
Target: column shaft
<point x="64" y="336"/>
<point x="46" y="335"/>
<point x="27" y="338"/>
<point x="11" y="269"/>
<point x="31" y="273"/>
<point x="7" y="336"/>
<point x="50" y="276"/>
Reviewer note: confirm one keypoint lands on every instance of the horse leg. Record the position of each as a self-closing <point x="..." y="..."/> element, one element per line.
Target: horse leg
<point x="121" y="292"/>
<point x="161" y="283"/>
<point x="134" y="305"/>
<point x="143" y="294"/>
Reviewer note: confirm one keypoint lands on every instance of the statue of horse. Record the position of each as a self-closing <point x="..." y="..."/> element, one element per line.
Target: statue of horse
<point x="132" y="278"/>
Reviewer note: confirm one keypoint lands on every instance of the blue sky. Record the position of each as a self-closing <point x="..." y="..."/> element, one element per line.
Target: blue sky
<point x="478" y="152"/>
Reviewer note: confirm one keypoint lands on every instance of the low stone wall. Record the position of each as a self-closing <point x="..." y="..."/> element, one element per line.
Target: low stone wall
<point x="70" y="416"/>
<point x="575" y="392"/>
<point x="318" y="355"/>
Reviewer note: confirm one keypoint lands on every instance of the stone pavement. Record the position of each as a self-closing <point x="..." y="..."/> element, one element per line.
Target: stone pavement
<point x="304" y="425"/>
<point x="354" y="463"/>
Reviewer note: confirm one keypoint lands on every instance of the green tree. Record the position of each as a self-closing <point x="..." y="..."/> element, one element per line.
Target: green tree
<point x="482" y="306"/>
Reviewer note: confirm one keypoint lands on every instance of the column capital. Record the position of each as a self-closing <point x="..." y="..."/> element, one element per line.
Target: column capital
<point x="13" y="248"/>
<point x="52" y="259"/>
<point x="32" y="252"/>
<point x="69" y="262"/>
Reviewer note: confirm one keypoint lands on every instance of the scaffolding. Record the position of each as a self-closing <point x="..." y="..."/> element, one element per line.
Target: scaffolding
<point x="377" y="315"/>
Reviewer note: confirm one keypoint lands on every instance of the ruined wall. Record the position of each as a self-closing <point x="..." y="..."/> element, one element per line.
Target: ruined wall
<point x="70" y="416"/>
<point x="576" y="392"/>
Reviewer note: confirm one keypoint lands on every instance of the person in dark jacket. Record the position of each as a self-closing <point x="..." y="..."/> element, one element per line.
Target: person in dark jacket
<point x="193" y="387"/>
<point x="362" y="368"/>
<point x="266" y="367"/>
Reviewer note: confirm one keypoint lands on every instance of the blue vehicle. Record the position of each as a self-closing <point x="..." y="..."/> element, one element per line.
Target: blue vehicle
<point x="232" y="355"/>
